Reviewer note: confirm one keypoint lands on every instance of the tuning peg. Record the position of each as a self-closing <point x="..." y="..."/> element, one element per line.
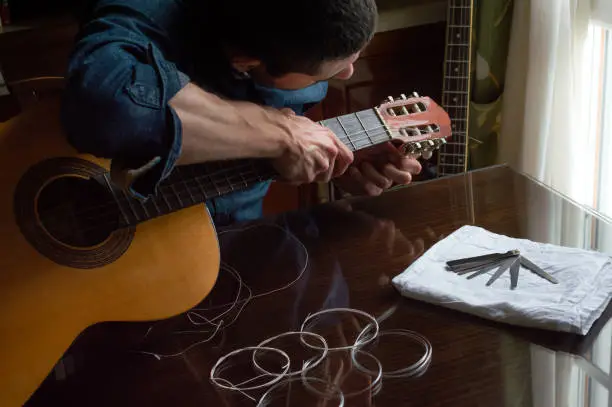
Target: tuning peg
<point x="390" y="99"/>
<point x="415" y="94"/>
<point x="427" y="154"/>
<point x="403" y="96"/>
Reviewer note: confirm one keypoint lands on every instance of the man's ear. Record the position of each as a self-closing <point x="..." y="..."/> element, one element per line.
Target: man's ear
<point x="245" y="64"/>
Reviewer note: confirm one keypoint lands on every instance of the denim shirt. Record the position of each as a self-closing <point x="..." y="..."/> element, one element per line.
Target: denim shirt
<point x="130" y="58"/>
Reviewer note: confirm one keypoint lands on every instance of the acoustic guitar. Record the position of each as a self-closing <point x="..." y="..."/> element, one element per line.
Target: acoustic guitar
<point x="77" y="250"/>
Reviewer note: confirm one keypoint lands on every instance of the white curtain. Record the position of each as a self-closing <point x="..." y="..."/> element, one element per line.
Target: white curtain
<point x="545" y="119"/>
<point x="549" y="110"/>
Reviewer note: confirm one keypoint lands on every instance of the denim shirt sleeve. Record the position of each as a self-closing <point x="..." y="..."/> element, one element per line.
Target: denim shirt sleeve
<point x="119" y="82"/>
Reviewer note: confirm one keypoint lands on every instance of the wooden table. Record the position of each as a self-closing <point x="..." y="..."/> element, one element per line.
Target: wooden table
<point x="354" y="248"/>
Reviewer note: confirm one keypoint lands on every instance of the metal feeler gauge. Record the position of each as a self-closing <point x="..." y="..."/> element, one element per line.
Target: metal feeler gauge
<point x="511" y="260"/>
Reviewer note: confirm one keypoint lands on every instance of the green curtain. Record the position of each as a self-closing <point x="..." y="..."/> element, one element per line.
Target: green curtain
<point x="492" y="21"/>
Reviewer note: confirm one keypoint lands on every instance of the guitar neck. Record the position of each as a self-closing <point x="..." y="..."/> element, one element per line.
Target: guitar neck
<point x="452" y="157"/>
<point x="195" y="184"/>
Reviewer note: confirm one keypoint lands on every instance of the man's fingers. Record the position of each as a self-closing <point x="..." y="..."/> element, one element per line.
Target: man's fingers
<point x="344" y="158"/>
<point x="412" y="165"/>
<point x="368" y="186"/>
<point x="321" y="165"/>
<point x="401" y="177"/>
<point x="375" y="177"/>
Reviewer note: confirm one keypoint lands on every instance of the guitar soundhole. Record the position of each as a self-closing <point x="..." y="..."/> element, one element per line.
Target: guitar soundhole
<point x="67" y="216"/>
<point x="77" y="212"/>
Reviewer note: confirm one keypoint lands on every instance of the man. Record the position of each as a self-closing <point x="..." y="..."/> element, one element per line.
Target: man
<point x="153" y="85"/>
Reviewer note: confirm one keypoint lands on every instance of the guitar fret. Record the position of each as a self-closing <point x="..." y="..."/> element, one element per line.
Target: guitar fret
<point x="119" y="204"/>
<point x="129" y="202"/>
<point x="244" y="180"/>
<point x="167" y="202"/>
<point x="198" y="183"/>
<point x="176" y="195"/>
<point x="345" y="131"/>
<point x="157" y="208"/>
<point x="144" y="208"/>
<point x="229" y="183"/>
<point x="364" y="129"/>
<point x="214" y="184"/>
<point x="354" y="132"/>
<point x="358" y="130"/>
<point x="184" y="182"/>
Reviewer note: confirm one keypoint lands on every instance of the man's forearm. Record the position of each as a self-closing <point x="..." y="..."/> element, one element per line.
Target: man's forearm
<point x="217" y="129"/>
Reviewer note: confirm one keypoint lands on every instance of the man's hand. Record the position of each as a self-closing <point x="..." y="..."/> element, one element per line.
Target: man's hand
<point x="312" y="154"/>
<point x="372" y="178"/>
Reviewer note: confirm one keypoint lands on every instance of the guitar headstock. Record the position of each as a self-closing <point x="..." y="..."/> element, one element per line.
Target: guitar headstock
<point x="417" y="124"/>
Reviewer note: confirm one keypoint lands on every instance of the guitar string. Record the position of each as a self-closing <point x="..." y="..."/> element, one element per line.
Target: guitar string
<point x="186" y="189"/>
<point x="171" y="190"/>
<point x="367" y="335"/>
<point x="347" y="137"/>
<point x="237" y="302"/>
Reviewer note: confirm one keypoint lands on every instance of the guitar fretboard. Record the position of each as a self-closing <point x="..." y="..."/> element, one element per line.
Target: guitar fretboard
<point x="195" y="184"/>
<point x="452" y="157"/>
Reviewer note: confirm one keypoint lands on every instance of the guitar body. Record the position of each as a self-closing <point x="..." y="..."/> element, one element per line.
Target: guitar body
<point x="57" y="277"/>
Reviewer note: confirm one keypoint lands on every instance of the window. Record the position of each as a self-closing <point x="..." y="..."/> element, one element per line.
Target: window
<point x="599" y="122"/>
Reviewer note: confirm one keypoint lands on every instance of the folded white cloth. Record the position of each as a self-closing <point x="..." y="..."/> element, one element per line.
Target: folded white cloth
<point x="572" y="305"/>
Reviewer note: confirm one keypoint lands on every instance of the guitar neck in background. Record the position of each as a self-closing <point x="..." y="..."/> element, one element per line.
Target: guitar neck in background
<point x="195" y="184"/>
<point x="452" y="157"/>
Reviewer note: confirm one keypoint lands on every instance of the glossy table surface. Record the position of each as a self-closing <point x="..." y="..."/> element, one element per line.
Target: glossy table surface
<point x="343" y="255"/>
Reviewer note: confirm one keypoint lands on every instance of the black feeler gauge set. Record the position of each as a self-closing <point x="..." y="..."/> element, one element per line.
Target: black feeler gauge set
<point x="510" y="260"/>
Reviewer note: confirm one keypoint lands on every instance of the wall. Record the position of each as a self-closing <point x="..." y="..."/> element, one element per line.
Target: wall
<point x="397" y="14"/>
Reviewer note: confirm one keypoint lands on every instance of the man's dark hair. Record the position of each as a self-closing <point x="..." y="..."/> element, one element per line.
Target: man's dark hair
<point x="299" y="35"/>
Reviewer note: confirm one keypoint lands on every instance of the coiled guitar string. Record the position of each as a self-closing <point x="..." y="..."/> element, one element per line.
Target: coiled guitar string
<point x="195" y="315"/>
<point x="361" y="340"/>
<point x="268" y="396"/>
<point x="410" y="371"/>
<point x="367" y="336"/>
<point x="227" y="385"/>
<point x="306" y="365"/>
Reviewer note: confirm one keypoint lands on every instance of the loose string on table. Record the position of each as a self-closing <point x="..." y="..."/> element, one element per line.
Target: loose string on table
<point x="304" y="375"/>
<point x="274" y="381"/>
<point x="197" y="319"/>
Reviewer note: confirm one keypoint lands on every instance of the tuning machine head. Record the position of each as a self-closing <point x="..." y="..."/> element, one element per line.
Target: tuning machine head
<point x="423" y="149"/>
<point x="417" y="123"/>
